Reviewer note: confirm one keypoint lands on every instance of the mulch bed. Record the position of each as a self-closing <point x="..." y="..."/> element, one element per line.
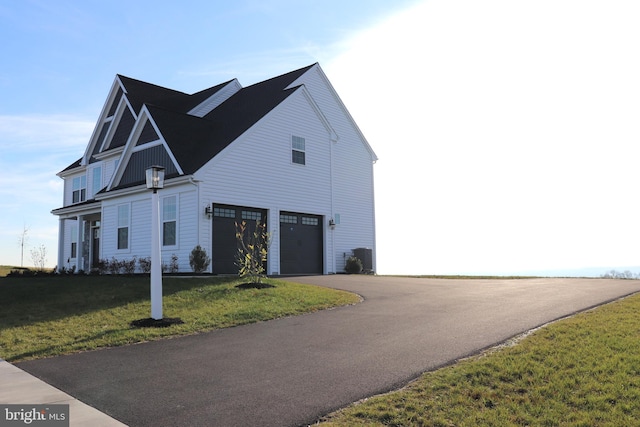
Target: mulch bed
<point x="254" y="286"/>
<point x="153" y="323"/>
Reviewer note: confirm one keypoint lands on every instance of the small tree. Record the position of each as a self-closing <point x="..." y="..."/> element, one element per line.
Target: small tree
<point x="39" y="257"/>
<point x="253" y="247"/>
<point x="199" y="260"/>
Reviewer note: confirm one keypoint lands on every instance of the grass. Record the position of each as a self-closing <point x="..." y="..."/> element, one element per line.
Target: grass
<point x="6" y="269"/>
<point x="581" y="371"/>
<point x="49" y="316"/>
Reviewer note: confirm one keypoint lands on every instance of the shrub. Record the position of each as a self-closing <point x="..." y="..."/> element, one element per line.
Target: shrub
<point x="22" y="272"/>
<point x="174" y="267"/>
<point x="199" y="260"/>
<point x="353" y="265"/>
<point x="145" y="264"/>
<point x="63" y="271"/>
<point x="128" y="267"/>
<point x="113" y="266"/>
<point x="102" y="267"/>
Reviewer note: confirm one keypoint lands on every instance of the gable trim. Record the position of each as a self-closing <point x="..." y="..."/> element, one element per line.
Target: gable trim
<point x="316" y="68"/>
<point x="101" y="119"/>
<point x="130" y="147"/>
<point x="323" y="119"/>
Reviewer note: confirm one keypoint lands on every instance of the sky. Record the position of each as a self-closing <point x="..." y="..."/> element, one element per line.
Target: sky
<point x="507" y="131"/>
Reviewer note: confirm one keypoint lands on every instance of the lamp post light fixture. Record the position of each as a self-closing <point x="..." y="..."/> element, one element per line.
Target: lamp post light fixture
<point x="155" y="181"/>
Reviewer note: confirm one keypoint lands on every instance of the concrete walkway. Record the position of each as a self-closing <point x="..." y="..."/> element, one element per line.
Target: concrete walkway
<point x="19" y="387"/>
<point x="291" y="371"/>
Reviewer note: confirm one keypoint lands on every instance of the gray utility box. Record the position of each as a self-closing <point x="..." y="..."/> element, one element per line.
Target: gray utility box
<point x="366" y="256"/>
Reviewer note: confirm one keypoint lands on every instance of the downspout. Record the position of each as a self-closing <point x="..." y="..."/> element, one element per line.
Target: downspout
<point x="332" y="231"/>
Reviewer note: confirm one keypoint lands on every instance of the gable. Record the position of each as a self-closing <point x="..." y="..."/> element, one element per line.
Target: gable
<point x="332" y="106"/>
<point x="123" y="130"/>
<point x="144" y="147"/>
<point x="140" y="161"/>
<point x="148" y="134"/>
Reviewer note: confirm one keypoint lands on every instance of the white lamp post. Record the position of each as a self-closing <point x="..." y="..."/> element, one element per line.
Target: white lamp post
<point x="155" y="181"/>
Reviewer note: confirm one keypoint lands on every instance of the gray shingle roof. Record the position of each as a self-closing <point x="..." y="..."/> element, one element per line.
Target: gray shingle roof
<point x="193" y="140"/>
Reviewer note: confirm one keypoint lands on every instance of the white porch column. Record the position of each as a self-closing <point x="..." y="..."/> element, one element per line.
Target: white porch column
<point x="81" y="243"/>
<point x="61" y="260"/>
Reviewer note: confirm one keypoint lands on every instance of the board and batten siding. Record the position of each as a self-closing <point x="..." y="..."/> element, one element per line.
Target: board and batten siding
<point x="353" y="187"/>
<point x="257" y="171"/>
<point x="140" y="226"/>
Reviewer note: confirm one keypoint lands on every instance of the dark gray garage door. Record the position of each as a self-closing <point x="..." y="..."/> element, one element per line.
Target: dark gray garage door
<point x="225" y="245"/>
<point x="300" y="243"/>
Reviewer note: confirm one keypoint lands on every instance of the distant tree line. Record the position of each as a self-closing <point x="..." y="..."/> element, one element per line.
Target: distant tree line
<point x="614" y="274"/>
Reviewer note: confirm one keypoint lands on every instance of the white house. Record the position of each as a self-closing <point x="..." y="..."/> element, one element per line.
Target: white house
<point x="285" y="151"/>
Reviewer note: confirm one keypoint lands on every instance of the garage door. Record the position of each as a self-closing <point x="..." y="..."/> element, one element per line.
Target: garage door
<point x="300" y="243"/>
<point x="224" y="244"/>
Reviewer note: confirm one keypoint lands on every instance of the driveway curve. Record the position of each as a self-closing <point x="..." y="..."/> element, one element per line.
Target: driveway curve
<point x="292" y="371"/>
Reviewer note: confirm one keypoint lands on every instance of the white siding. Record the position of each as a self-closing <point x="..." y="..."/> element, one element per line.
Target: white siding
<point x="257" y="171"/>
<point x="68" y="262"/>
<point x="353" y="195"/>
<point x="140" y="226"/>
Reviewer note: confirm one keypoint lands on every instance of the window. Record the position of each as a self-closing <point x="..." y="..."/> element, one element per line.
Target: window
<point x="74" y="241"/>
<point x="79" y="189"/>
<point x="224" y="213"/>
<point x="288" y="219"/>
<point x="250" y="215"/>
<point x="97" y="180"/>
<point x="309" y="221"/>
<point x="298" y="150"/>
<point x="169" y="215"/>
<point x="123" y="227"/>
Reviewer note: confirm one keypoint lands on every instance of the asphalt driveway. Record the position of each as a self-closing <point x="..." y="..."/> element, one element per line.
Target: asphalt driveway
<point x="290" y="372"/>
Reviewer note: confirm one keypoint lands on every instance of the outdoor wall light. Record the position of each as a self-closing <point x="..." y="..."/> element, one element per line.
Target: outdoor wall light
<point x="155" y="178"/>
<point x="208" y="211"/>
<point x="332" y="224"/>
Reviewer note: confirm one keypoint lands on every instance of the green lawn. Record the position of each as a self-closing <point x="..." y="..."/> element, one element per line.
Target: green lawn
<point x="581" y="371"/>
<point x="48" y="316"/>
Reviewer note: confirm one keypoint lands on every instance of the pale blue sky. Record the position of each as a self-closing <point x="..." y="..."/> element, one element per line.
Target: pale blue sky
<point x="507" y="130"/>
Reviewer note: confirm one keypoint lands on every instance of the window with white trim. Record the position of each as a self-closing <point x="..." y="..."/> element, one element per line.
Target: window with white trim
<point x="169" y="221"/>
<point x="123" y="227"/>
<point x="96" y="182"/>
<point x="298" y="153"/>
<point x="79" y="188"/>
<point x="74" y="241"/>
